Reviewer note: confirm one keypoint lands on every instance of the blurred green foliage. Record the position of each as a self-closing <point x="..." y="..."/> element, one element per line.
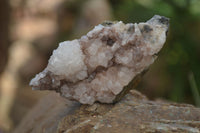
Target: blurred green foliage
<point x="181" y="53"/>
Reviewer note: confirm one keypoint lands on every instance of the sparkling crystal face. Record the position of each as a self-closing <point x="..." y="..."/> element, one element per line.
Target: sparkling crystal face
<point x="99" y="65"/>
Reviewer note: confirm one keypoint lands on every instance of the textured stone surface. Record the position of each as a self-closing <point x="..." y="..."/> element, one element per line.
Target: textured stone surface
<point x="99" y="65"/>
<point x="46" y="115"/>
<point x="134" y="113"/>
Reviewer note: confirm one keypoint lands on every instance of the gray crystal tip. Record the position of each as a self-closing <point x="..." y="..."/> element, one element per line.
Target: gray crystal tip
<point x="159" y="20"/>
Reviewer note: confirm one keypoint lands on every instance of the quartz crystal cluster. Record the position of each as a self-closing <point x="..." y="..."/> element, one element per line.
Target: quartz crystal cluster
<point x="99" y="65"/>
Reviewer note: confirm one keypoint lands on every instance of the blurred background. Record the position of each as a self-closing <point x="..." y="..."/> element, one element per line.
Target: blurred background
<point x="31" y="29"/>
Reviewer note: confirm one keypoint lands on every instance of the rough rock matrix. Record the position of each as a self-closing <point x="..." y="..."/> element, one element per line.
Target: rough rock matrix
<point x="133" y="114"/>
<point x="99" y="65"/>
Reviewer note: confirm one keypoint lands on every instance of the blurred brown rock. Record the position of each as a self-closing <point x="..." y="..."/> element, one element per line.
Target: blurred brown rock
<point x="5" y="122"/>
<point x="134" y="113"/>
<point x="4" y="34"/>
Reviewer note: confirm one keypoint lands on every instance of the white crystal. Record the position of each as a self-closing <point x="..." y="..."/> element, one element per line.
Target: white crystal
<point x="67" y="60"/>
<point x="98" y="66"/>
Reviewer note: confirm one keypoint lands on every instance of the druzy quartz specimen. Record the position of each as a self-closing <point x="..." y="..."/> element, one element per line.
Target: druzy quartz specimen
<point x="104" y="64"/>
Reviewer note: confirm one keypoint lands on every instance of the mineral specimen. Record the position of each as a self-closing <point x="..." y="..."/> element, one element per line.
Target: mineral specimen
<point x="100" y="65"/>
